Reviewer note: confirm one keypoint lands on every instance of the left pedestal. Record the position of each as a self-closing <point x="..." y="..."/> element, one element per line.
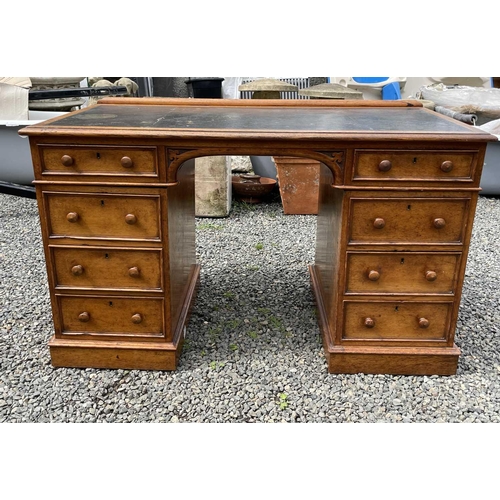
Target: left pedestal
<point x="120" y="254"/>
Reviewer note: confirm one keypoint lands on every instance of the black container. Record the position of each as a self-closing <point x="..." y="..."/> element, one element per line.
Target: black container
<point x="210" y="88"/>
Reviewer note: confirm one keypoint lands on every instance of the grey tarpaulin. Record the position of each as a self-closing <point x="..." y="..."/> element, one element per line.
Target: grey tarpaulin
<point x="466" y="118"/>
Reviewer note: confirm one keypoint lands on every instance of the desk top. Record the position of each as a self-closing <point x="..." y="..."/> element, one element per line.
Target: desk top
<point x="301" y="119"/>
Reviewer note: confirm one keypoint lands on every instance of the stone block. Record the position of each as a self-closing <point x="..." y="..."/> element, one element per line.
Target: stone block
<point x="213" y="192"/>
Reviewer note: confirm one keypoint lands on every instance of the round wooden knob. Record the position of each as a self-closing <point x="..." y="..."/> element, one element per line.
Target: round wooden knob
<point x="77" y="270"/>
<point x="431" y="276"/>
<point x="127" y="162"/>
<point x="134" y="272"/>
<point x="378" y="223"/>
<point x="72" y="217"/>
<point x="373" y="275"/>
<point x="447" y="166"/>
<point x="137" y="318"/>
<point x="439" y="223"/>
<point x="84" y="317"/>
<point x="67" y="161"/>
<point x="423" y="322"/>
<point x="385" y="166"/>
<point x="369" y="322"/>
<point x="130" y="219"/>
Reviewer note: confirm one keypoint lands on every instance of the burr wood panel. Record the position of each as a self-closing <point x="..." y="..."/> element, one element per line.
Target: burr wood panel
<point x="101" y="160"/>
<point x="400" y="320"/>
<point x="402" y="272"/>
<point x="111" y="316"/>
<point x="434" y="165"/>
<point x="408" y="220"/>
<point x="102" y="215"/>
<point x="108" y="267"/>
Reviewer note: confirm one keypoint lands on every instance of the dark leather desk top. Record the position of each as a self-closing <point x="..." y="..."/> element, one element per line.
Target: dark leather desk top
<point x="243" y="121"/>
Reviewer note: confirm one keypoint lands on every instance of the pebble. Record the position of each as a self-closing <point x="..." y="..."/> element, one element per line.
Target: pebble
<point x="254" y="351"/>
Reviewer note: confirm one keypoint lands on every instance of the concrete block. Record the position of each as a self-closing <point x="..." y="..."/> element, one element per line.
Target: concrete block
<point x="213" y="192"/>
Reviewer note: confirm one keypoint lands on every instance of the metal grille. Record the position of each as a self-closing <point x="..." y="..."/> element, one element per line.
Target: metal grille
<point x="302" y="83"/>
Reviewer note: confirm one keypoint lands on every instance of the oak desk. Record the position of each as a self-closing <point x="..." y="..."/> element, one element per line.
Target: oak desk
<point x="398" y="191"/>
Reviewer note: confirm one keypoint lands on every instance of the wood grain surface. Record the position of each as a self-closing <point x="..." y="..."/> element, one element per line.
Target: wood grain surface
<point x="398" y="186"/>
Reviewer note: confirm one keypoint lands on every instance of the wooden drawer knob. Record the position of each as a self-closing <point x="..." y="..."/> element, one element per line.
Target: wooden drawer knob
<point x="72" y="217"/>
<point x="369" y="322"/>
<point x="127" y="162"/>
<point x="130" y="219"/>
<point x="378" y="223"/>
<point x="67" y="161"/>
<point x="447" y="166"/>
<point x="439" y="223"/>
<point x="77" y="270"/>
<point x="385" y="165"/>
<point x="423" y="322"/>
<point x="84" y="317"/>
<point x="137" y="318"/>
<point x="373" y="275"/>
<point x="134" y="272"/>
<point x="431" y="276"/>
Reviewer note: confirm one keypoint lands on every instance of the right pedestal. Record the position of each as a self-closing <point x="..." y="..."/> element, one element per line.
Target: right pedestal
<point x="390" y="259"/>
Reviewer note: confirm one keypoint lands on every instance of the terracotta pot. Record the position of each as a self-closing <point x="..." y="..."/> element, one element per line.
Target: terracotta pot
<point x="298" y="180"/>
<point x="252" y="188"/>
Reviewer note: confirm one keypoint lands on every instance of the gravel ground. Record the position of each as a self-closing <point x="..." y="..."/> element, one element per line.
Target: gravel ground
<point x="253" y="351"/>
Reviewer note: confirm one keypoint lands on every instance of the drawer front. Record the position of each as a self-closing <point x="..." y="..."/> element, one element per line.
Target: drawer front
<point x="131" y="317"/>
<point x="109" y="268"/>
<point x="396" y="320"/>
<point x="99" y="160"/>
<point x="413" y="165"/>
<point x="403" y="273"/>
<point x="103" y="216"/>
<point x="408" y="220"/>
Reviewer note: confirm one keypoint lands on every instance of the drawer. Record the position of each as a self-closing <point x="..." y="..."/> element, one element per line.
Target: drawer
<point x="108" y="216"/>
<point x="99" y="160"/>
<point x="402" y="272"/>
<point x="131" y="316"/>
<point x="396" y="320"/>
<point x="413" y="165"/>
<point x="110" y="268"/>
<point x="408" y="220"/>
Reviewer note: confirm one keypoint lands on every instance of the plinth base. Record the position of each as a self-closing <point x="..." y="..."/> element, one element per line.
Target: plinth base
<point x="124" y="355"/>
<point x="393" y="361"/>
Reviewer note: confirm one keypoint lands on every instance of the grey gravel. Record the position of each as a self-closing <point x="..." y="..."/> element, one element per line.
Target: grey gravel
<point x="253" y="350"/>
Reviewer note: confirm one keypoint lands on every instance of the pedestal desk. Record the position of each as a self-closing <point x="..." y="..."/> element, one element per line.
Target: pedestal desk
<point x="398" y="190"/>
